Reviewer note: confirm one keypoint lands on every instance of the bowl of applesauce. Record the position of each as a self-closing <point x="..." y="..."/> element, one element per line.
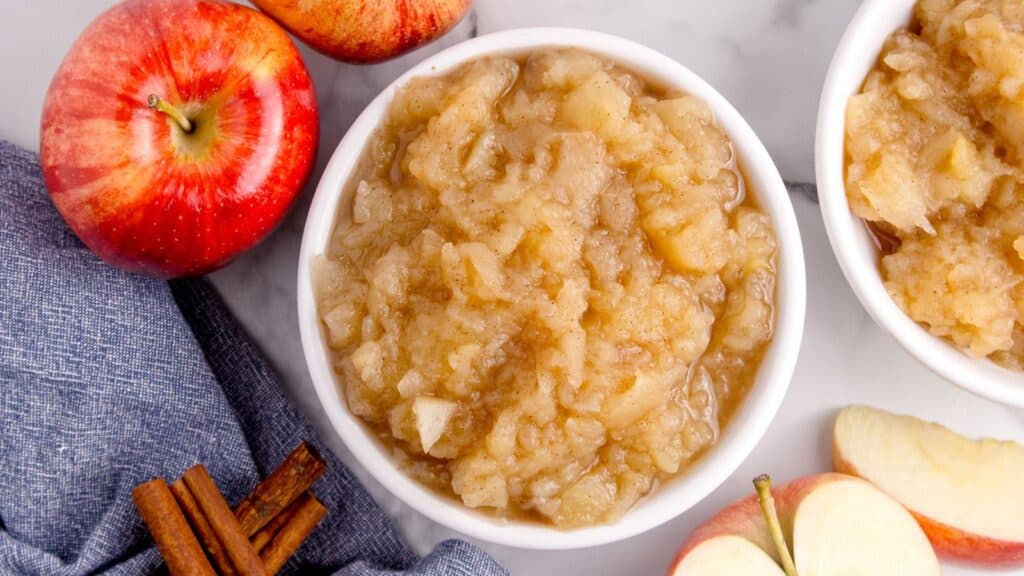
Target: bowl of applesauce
<point x="920" y="168"/>
<point x="551" y="288"/>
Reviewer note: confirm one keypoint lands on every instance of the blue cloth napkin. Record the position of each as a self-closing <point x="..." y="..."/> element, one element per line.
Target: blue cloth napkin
<point x="109" y="379"/>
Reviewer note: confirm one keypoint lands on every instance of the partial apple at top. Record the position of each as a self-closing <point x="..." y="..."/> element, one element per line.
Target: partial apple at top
<point x="966" y="494"/>
<point x="366" y="31"/>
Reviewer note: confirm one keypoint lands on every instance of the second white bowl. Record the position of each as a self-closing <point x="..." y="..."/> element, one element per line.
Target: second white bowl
<point x="748" y="424"/>
<point x="858" y="257"/>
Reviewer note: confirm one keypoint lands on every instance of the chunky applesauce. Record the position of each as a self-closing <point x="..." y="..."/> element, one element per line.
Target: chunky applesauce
<point x="549" y="290"/>
<point x="935" y="162"/>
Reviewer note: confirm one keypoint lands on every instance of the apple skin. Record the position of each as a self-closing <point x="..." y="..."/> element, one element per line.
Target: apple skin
<point x="134" y="186"/>
<point x="745" y="519"/>
<point x="365" y="31"/>
<point x="949" y="542"/>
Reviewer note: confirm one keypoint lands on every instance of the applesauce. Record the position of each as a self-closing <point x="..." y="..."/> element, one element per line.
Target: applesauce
<point x="935" y="162"/>
<point x="552" y="290"/>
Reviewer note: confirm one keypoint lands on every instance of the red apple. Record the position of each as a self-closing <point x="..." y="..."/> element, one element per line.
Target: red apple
<point x="826" y="525"/>
<point x="366" y="30"/>
<point x="965" y="493"/>
<point x="177" y="133"/>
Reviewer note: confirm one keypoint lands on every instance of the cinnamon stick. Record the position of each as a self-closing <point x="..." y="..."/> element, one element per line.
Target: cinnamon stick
<point x="169" y="528"/>
<point x="300" y="524"/>
<point x="284" y="485"/>
<point x="266" y="534"/>
<point x="202" y="527"/>
<point x="223" y="522"/>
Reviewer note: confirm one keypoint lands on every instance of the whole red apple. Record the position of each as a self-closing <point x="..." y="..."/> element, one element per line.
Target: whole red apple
<point x="176" y="134"/>
<point x="366" y="30"/>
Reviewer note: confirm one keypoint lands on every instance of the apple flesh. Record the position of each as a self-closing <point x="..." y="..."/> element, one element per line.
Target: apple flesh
<point x="727" y="555"/>
<point x="366" y="31"/>
<point x="149" y="192"/>
<point x="837" y="525"/>
<point x="432" y="416"/>
<point x="966" y="494"/>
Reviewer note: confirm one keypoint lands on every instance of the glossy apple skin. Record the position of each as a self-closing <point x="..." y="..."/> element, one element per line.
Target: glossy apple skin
<point x="136" y="188"/>
<point x="953" y="543"/>
<point x="365" y="31"/>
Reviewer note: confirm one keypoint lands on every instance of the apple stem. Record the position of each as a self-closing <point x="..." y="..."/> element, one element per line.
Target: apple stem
<point x="157" y="103"/>
<point x="763" y="484"/>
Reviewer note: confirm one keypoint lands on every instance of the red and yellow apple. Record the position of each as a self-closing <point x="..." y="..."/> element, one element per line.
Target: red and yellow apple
<point x="835" y="525"/>
<point x="177" y="133"/>
<point x="965" y="493"/>
<point x="365" y="30"/>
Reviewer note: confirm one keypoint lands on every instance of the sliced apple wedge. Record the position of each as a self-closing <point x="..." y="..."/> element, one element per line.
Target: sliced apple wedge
<point x="432" y="416"/>
<point x="850" y="528"/>
<point x="966" y="494"/>
<point x="727" y="556"/>
<point x="837" y="525"/>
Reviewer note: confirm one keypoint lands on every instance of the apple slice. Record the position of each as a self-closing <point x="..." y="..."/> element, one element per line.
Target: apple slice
<point x="838" y="526"/>
<point x="966" y="494"/>
<point x="432" y="416"/>
<point x="848" y="528"/>
<point x="727" y="556"/>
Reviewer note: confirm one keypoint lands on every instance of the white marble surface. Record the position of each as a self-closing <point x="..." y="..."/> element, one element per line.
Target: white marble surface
<point x="767" y="56"/>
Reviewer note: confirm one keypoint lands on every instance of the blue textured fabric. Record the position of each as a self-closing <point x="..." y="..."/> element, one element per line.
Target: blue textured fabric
<point x="109" y="379"/>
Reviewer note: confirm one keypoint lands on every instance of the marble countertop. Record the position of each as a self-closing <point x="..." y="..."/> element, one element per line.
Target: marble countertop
<point x="768" y="57"/>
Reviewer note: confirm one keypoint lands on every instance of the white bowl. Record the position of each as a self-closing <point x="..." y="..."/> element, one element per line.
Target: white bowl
<point x="858" y="257"/>
<point x="748" y="424"/>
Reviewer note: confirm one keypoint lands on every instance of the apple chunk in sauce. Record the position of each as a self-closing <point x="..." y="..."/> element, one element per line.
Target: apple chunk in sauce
<point x="552" y="291"/>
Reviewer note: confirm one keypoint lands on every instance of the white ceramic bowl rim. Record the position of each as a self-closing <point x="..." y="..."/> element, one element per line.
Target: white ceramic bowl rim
<point x="856" y="54"/>
<point x="748" y="424"/>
